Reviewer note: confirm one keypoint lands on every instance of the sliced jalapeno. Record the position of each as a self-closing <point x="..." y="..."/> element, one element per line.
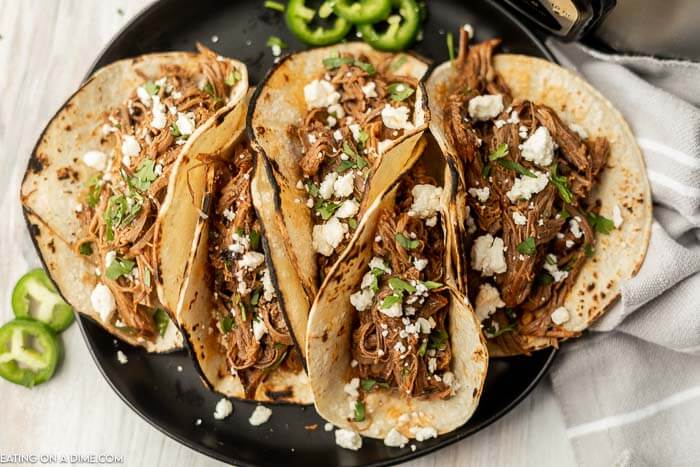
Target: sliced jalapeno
<point x="299" y="17"/>
<point x="35" y="297"/>
<point x="29" y="352"/>
<point x="402" y="31"/>
<point x="363" y="11"/>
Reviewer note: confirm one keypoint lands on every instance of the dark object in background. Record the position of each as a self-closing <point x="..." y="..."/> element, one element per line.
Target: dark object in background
<point x="665" y="28"/>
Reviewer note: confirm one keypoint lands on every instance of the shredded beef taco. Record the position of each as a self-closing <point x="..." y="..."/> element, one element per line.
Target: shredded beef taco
<point x="394" y="351"/>
<point x="99" y="179"/>
<point x="229" y="309"/>
<point x="557" y="208"/>
<point x="336" y="127"/>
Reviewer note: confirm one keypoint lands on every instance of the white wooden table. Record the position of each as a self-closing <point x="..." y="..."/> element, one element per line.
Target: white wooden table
<point x="46" y="46"/>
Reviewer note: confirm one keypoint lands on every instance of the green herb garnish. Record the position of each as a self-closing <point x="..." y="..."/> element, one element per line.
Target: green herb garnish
<point x="359" y="411"/>
<point x="527" y="247"/>
<point x="118" y="268"/>
<point x="151" y="88"/>
<point x="491" y="331"/>
<point x="600" y="223"/>
<point x="400" y="91"/>
<point x="160" y="317"/>
<point x="233" y="77"/>
<point x="368" y="384"/>
<point x="147" y="277"/>
<point x="94" y="186"/>
<point x="326" y="209"/>
<point x="145" y="175"/>
<point x="391" y="300"/>
<point x="561" y="183"/>
<point x="588" y="250"/>
<point x="226" y="324"/>
<point x="430" y="285"/>
<point x="254" y="239"/>
<point x="352" y="223"/>
<point x="500" y="152"/>
<point x="423" y="347"/>
<point x="400" y="285"/>
<point x="512" y="165"/>
<point x="405" y="242"/>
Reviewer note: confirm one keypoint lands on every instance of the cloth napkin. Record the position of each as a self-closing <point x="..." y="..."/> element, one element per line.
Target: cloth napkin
<point x="630" y="389"/>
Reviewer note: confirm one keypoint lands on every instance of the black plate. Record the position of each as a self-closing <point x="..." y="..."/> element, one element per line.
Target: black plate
<point x="173" y="400"/>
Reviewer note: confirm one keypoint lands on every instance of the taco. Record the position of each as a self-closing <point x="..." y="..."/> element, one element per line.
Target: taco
<point x="558" y="207"/>
<point x="336" y="127"/>
<point x="229" y="311"/>
<point x="98" y="180"/>
<point x="394" y="350"/>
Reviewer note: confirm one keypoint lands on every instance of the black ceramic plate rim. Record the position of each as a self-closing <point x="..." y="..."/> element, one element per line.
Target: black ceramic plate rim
<point x="447" y="439"/>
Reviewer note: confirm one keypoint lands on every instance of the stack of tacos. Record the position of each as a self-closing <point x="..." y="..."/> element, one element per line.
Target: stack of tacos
<point x="314" y="242"/>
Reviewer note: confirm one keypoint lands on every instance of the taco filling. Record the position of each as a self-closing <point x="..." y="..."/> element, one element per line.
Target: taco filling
<point x="528" y="176"/>
<point x="122" y="201"/>
<point x="400" y="339"/>
<point x="251" y="330"/>
<point x="354" y="112"/>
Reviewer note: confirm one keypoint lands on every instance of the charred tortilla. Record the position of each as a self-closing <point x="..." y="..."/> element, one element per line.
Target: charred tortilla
<point x="557" y="207"/>
<point x="394" y="351"/>
<point x="98" y="178"/>
<point x="336" y="127"/>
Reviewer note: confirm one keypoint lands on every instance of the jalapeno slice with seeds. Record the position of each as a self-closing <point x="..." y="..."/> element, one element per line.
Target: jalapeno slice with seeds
<point x="299" y="17"/>
<point x="29" y="352"/>
<point x="35" y="297"/>
<point x="402" y="30"/>
<point x="362" y="11"/>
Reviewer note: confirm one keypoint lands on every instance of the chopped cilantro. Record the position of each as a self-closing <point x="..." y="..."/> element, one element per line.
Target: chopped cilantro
<point x="367" y="384"/>
<point x="491" y="331"/>
<point x="561" y="183"/>
<point x="233" y="77"/>
<point x="226" y="324"/>
<point x="175" y="130"/>
<point x="94" y="186"/>
<point x="400" y="285"/>
<point x="391" y="300"/>
<point x="312" y="189"/>
<point x="144" y="175"/>
<point x="147" y="277"/>
<point x="588" y="250"/>
<point x="423" y="347"/>
<point x="254" y="239"/>
<point x="160" y="317"/>
<point x="255" y="297"/>
<point x="500" y="152"/>
<point x="406" y="242"/>
<point x="430" y="285"/>
<point x="359" y="411"/>
<point x="362" y="137"/>
<point x="118" y="268"/>
<point x="151" y="88"/>
<point x="527" y="247"/>
<point x="336" y="61"/>
<point x="512" y="165"/>
<point x="352" y="223"/>
<point x="600" y="224"/>
<point x="326" y="209"/>
<point x="400" y="91"/>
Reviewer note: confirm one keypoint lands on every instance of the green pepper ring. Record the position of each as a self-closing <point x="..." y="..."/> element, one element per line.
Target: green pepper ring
<point x="363" y="11"/>
<point x="50" y="353"/>
<point x="298" y="16"/>
<point x="398" y="36"/>
<point x="36" y="281"/>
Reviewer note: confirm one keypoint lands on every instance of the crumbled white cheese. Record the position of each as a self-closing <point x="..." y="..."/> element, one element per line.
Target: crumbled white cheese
<point x="617" y="216"/>
<point x="485" y="107"/>
<point x="423" y="433"/>
<point x="159" y="119"/>
<point x="420" y="263"/>
<point x="394" y="311"/>
<point x="328" y="426"/>
<point x="326" y="237"/>
<point x="110" y="256"/>
<point x="469" y="29"/>
<point x="96" y="160"/>
<point x="348" y="209"/>
<point x="338" y="135"/>
<point x="268" y="288"/>
<point x="579" y="130"/>
<point x="378" y="262"/>
<point x="519" y="218"/>
<point x="362" y="299"/>
<point x="426" y="200"/>
<point x="351" y="388"/>
<point x="320" y="93"/>
<point x="130" y="148"/>
<point x="103" y="301"/>
<point x="395" y="439"/>
<point x="344" y="185"/>
<point x="514" y="117"/>
<point x="370" y="90"/>
<point x="539" y="147"/>
<point x="356" y="131"/>
<point x="560" y="315"/>
<point x="260" y="415"/>
<point x="121" y="358"/>
<point x="336" y="110"/>
<point x="326" y="187"/>
<point x="185" y="123"/>
<point x="524" y="187"/>
<point x="348" y="439"/>
<point x="143" y="96"/>
<point x="487" y="255"/>
<point x="482" y="194"/>
<point x="550" y="265"/>
<point x="396" y="118"/>
<point x="487" y="301"/>
<point x="575" y="228"/>
<point x="259" y="329"/>
<point x="383" y="145"/>
<point x="223" y="409"/>
<point x="251" y="260"/>
<point x="499" y="123"/>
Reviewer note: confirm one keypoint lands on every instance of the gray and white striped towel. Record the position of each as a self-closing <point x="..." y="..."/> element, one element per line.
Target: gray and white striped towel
<point x="630" y="390"/>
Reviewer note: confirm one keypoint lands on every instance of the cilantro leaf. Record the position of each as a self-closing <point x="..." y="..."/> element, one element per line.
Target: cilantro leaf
<point x="94" y="186"/>
<point x="359" y="411"/>
<point x="430" y="285"/>
<point x="561" y="183"/>
<point x="500" y="152"/>
<point x="144" y="176"/>
<point x="600" y="223"/>
<point x="118" y="268"/>
<point x="405" y="242"/>
<point x="400" y="91"/>
<point x="326" y="209"/>
<point x="588" y="250"/>
<point x="400" y="285"/>
<point x="512" y="165"/>
<point x="226" y="324"/>
<point x="423" y="347"/>
<point x="151" y="88"/>
<point x="491" y="331"/>
<point x="254" y="240"/>
<point x="391" y="300"/>
<point x="527" y="247"/>
<point x="336" y="61"/>
<point x="160" y="317"/>
<point x="233" y="77"/>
